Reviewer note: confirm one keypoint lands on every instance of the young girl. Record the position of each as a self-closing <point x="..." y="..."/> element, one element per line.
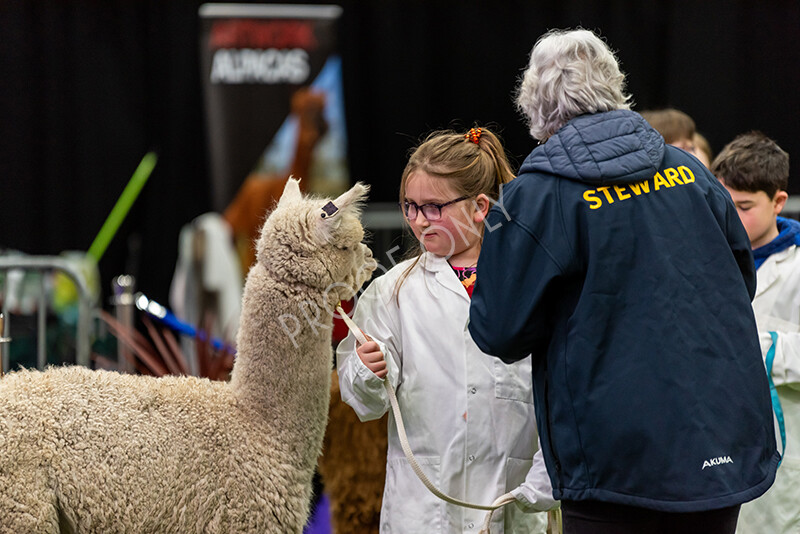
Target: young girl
<point x="469" y="417"/>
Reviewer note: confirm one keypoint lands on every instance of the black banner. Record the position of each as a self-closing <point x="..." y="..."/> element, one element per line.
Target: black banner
<point x="273" y="96"/>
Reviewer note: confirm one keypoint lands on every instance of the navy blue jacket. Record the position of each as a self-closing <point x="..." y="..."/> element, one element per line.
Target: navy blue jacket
<point x="620" y="263"/>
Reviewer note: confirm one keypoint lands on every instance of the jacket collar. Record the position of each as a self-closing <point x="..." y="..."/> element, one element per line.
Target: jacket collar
<point x="789" y="234"/>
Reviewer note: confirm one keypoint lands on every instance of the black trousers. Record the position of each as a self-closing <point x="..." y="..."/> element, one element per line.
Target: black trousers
<point x="593" y="517"/>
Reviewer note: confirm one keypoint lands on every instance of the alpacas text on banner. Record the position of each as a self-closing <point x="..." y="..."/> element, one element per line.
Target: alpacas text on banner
<point x="265" y="66"/>
<point x="253" y="51"/>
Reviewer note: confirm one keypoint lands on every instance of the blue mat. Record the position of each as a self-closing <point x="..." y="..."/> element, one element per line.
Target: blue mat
<point x="320" y="521"/>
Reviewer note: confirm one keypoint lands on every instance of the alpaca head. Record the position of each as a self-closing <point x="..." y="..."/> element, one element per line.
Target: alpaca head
<point x="316" y="242"/>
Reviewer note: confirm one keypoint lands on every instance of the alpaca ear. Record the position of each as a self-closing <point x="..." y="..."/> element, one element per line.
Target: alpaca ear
<point x="351" y="201"/>
<point x="354" y="196"/>
<point x="291" y="191"/>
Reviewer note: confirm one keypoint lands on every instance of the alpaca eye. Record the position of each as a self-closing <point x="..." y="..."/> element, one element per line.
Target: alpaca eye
<point x="343" y="248"/>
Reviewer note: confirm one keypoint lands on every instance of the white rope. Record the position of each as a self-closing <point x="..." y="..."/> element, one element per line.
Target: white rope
<point x="401" y="432"/>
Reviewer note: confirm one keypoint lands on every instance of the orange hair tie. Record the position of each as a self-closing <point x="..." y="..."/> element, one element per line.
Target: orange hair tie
<point x="473" y="135"/>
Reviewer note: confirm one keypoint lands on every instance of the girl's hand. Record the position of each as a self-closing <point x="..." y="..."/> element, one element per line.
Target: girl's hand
<point x="370" y="353"/>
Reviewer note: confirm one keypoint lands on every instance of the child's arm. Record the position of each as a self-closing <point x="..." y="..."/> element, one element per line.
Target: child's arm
<point x="362" y="370"/>
<point x="786" y="364"/>
<point x="536" y="493"/>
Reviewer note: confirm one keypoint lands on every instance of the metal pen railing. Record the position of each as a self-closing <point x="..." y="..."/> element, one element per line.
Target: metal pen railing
<point x="44" y="264"/>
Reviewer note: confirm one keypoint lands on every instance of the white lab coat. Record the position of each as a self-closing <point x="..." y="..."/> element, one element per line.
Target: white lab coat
<point x="469" y="417"/>
<point x="777" y="308"/>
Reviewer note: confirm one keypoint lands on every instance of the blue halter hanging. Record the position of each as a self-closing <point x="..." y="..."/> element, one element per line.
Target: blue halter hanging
<point x="776" y="403"/>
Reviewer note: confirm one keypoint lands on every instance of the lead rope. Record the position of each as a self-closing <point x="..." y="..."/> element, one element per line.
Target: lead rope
<point x="401" y="432"/>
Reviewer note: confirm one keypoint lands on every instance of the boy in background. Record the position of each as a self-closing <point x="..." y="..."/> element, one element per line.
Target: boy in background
<point x="755" y="170"/>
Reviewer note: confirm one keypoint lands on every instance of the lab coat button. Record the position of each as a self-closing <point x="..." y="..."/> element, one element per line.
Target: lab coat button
<point x="471" y="458"/>
<point x="473" y="390"/>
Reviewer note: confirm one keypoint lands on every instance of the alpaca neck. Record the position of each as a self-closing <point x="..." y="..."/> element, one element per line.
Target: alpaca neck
<point x="284" y="359"/>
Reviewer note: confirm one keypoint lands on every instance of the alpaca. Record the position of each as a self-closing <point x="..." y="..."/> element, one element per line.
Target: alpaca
<point x="100" y="452"/>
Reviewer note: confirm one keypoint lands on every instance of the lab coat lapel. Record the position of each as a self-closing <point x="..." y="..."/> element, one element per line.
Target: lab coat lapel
<point x="769" y="272"/>
<point x="444" y="275"/>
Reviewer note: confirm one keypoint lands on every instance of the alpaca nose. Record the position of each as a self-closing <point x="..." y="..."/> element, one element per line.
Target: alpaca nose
<point x="369" y="261"/>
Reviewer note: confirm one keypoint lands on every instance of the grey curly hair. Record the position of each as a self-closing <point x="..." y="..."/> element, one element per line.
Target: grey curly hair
<point x="571" y="72"/>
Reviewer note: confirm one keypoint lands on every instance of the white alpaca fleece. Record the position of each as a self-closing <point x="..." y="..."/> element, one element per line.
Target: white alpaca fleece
<point x="85" y="451"/>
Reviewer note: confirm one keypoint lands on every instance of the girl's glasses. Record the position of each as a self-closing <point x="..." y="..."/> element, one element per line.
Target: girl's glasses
<point x="431" y="211"/>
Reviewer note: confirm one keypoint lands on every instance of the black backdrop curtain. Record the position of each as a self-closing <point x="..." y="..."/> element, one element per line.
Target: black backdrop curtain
<point x="87" y="87"/>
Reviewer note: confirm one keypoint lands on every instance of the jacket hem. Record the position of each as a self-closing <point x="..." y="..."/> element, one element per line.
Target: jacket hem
<point x="701" y="505"/>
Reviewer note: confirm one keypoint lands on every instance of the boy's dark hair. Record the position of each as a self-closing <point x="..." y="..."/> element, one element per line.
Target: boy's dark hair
<point x="753" y="162"/>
